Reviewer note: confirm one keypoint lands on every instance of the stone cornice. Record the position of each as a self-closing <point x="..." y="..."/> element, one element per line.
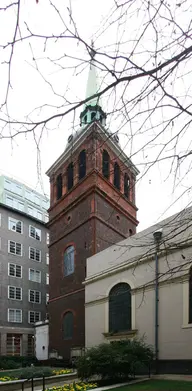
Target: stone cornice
<point x="135" y="262"/>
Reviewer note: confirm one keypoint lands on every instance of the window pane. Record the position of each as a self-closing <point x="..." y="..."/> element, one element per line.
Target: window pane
<point x="82" y="164"/>
<point x="105" y="164"/>
<point x="18" y="271"/>
<point x="69" y="260"/>
<point x="120" y="308"/>
<point x="117" y="176"/>
<point x="68" y="325"/>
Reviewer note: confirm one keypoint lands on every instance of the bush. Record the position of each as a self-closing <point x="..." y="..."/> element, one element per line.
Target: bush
<point x="118" y="360"/>
<point x="28" y="373"/>
<point x="14" y="362"/>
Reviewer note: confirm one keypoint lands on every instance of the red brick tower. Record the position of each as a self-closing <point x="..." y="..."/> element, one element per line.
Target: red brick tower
<point x="92" y="206"/>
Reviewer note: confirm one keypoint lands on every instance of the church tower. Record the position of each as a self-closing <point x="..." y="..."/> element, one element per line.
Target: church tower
<point x="92" y="206"/>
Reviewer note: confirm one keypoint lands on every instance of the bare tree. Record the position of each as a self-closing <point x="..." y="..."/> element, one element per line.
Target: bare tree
<point x="143" y="53"/>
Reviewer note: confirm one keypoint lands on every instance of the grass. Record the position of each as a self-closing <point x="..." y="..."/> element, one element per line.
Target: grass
<point x="158" y="385"/>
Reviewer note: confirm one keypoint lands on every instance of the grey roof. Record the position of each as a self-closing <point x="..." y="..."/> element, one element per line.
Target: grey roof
<point x="176" y="232"/>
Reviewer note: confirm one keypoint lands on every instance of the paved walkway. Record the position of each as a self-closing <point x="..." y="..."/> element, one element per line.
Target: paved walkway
<point x="166" y="377"/>
<point x="173" y="377"/>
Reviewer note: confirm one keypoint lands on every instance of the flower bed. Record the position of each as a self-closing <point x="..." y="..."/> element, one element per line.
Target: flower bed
<point x="35" y="372"/>
<point x="7" y="378"/>
<point x="80" y="386"/>
<point x="57" y="372"/>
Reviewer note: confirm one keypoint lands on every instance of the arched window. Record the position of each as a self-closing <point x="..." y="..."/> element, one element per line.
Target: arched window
<point x="120" y="308"/>
<point x="93" y="114"/>
<point x="190" y="295"/>
<point x="105" y="164"/>
<point x="126" y="185"/>
<point x="117" y="176"/>
<point x="70" y="176"/>
<point x="82" y="164"/>
<point x="69" y="260"/>
<point x="68" y="322"/>
<point x="85" y="119"/>
<point x="59" y="186"/>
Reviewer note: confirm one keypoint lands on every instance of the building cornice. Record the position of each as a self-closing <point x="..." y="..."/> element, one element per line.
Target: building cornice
<point x="134" y="262"/>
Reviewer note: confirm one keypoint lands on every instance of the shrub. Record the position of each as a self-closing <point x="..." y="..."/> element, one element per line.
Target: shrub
<point x="118" y="360"/>
<point x="14" y="362"/>
<point x="28" y="373"/>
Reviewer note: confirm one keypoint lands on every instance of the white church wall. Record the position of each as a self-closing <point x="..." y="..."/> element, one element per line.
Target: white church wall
<point x="175" y="334"/>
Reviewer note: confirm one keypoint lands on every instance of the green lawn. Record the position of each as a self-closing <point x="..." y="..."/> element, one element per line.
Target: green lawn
<point x="158" y="385"/>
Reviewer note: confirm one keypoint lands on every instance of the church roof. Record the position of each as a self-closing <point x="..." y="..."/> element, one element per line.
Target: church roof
<point x="176" y="234"/>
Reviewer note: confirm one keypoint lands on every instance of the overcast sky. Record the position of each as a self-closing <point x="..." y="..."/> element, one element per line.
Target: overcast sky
<point x="154" y="195"/>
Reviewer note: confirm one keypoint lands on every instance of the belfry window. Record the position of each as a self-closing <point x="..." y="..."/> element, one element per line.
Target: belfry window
<point x="105" y="164"/>
<point x="126" y="185"/>
<point x="117" y="176"/>
<point x="70" y="176"/>
<point x="82" y="164"/>
<point x="59" y="186"/>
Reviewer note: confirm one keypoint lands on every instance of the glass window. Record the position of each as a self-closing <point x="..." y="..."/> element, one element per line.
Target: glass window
<point x="14" y="293"/>
<point x="105" y="164"/>
<point x="34" y="233"/>
<point x="82" y="164"/>
<point x="34" y="254"/>
<point x="15" y="225"/>
<point x="47" y="298"/>
<point x="120" y="308"/>
<point x="14" y="315"/>
<point x="15" y="248"/>
<point x="69" y="256"/>
<point x="14" y="270"/>
<point x="34" y="275"/>
<point x="116" y="176"/>
<point x="68" y="325"/>
<point x="34" y="316"/>
<point x="14" y="344"/>
<point x="34" y="296"/>
<point x="7" y="184"/>
<point x="70" y="176"/>
<point x="59" y="186"/>
<point x="47" y="278"/>
<point x="126" y="185"/>
<point x="47" y="259"/>
<point x="47" y="238"/>
<point x="30" y="211"/>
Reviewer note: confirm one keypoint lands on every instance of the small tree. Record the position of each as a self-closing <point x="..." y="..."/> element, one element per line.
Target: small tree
<point x="116" y="360"/>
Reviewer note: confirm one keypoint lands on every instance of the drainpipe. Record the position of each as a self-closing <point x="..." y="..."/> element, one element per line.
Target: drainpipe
<point x="157" y="238"/>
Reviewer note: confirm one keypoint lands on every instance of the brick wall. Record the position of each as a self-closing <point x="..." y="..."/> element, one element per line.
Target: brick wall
<point x="91" y="216"/>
